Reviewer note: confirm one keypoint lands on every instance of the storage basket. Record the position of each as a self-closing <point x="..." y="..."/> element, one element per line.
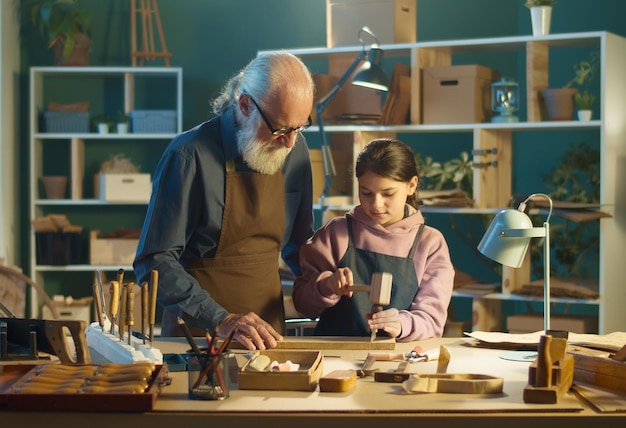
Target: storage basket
<point x="66" y="121"/>
<point x="58" y="248"/>
<point x="153" y="121"/>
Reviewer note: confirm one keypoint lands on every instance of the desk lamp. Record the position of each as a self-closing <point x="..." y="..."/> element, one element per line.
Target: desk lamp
<point x="369" y="75"/>
<point x="507" y="240"/>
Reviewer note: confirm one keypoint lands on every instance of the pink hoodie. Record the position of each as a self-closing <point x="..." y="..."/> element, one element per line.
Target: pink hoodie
<point x="319" y="257"/>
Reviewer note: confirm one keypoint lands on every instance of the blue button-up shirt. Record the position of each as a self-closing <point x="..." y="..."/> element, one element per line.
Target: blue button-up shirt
<point x="184" y="216"/>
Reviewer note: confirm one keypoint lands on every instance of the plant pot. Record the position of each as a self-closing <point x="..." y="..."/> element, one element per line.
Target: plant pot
<point x="584" y="115"/>
<point x="103" y="128"/>
<point x="122" y="128"/>
<point x="540" y="18"/>
<point x="54" y="186"/>
<point x="79" y="55"/>
<point x="560" y="103"/>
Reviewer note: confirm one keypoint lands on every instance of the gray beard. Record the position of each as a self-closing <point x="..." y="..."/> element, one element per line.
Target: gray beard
<point x="264" y="157"/>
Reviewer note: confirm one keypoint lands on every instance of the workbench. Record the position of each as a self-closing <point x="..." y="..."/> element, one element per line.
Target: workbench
<point x="369" y="404"/>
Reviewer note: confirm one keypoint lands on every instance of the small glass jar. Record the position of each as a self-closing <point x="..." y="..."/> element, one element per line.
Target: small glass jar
<point x="505" y="100"/>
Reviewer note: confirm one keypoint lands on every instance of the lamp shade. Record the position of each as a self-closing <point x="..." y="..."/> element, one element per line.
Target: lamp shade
<point x="506" y="250"/>
<point x="371" y="73"/>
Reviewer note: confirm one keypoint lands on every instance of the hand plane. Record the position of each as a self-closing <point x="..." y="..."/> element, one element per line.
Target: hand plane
<point x="47" y="336"/>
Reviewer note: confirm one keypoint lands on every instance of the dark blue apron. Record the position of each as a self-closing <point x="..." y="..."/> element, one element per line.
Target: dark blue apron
<point x="347" y="317"/>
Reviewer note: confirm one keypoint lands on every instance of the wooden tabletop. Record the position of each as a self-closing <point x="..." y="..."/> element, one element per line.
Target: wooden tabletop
<point x="370" y="403"/>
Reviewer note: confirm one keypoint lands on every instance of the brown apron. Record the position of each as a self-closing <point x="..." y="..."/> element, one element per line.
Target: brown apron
<point x="243" y="276"/>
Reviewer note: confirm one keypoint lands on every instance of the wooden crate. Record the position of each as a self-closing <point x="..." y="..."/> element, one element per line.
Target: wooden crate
<point x="305" y="378"/>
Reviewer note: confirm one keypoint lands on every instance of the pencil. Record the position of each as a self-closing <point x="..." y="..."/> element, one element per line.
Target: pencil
<point x="192" y="343"/>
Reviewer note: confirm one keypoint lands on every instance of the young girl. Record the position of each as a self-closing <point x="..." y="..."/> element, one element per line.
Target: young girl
<point x="385" y="233"/>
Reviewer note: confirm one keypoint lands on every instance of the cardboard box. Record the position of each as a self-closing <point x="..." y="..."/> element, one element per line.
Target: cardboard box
<point x="528" y="323"/>
<point x="123" y="187"/>
<point x="457" y="94"/>
<point x="111" y="251"/>
<point x="306" y="378"/>
<point x="391" y="21"/>
<point x="72" y="312"/>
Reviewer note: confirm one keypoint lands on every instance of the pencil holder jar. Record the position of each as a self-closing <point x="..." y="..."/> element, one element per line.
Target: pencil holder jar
<point x="209" y="375"/>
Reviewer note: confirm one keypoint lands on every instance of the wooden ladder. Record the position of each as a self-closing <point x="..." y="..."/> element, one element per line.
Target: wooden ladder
<point x="147" y="9"/>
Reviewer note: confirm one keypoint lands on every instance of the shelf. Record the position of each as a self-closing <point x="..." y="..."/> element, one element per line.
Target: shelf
<point x="493" y="186"/>
<point x="81" y="268"/>
<point x="96" y="136"/>
<point x="462" y="127"/>
<point x="77" y="155"/>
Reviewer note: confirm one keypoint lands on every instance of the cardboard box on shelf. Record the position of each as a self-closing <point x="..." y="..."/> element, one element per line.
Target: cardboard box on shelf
<point x="457" y="93"/>
<point x="123" y="187"/>
<point x="391" y="21"/>
<point x="77" y="309"/>
<point x="111" y="251"/>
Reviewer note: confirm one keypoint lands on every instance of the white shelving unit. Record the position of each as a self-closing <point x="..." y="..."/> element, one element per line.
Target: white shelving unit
<point x="125" y="80"/>
<point x="493" y="186"/>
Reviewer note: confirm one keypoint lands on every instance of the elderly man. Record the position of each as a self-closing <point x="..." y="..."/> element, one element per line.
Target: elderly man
<point x="230" y="197"/>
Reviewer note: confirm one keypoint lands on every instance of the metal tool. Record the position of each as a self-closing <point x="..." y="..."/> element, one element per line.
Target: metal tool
<point x="121" y="322"/>
<point x="145" y="310"/>
<point x="114" y="303"/>
<point x="154" y="286"/>
<point x="130" y="308"/>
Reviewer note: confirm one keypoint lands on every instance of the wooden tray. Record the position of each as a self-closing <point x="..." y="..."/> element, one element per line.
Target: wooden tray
<point x="11" y="375"/>
<point x="305" y="378"/>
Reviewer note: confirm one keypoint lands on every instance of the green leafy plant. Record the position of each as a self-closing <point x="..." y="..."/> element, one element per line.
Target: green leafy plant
<point x="584" y="100"/>
<point x="537" y="3"/>
<point x="122" y="117"/>
<point x="584" y="71"/>
<point x="576" y="179"/>
<point x="453" y="174"/>
<point x="60" y="21"/>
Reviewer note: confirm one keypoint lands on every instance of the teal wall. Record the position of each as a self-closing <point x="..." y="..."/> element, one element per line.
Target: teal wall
<point x="212" y="39"/>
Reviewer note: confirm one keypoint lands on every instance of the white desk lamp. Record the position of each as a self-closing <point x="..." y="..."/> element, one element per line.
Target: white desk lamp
<point x="506" y="242"/>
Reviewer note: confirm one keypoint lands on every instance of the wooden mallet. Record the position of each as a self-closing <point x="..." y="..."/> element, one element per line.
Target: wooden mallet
<point x="380" y="292"/>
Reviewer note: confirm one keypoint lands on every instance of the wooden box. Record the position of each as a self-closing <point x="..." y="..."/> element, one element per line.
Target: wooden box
<point x="391" y="21"/>
<point x="111" y="251"/>
<point x="14" y="375"/>
<point x="306" y="378"/>
<point x="457" y="93"/>
<point x="123" y="187"/>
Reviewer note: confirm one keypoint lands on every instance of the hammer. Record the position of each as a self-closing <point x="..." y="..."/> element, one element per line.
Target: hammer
<point x="380" y="292"/>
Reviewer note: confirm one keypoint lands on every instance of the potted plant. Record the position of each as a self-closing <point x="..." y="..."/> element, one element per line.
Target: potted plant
<point x="103" y="123"/>
<point x="540" y="15"/>
<point x="122" y="122"/>
<point x="584" y="101"/>
<point x="560" y="101"/>
<point x="66" y="26"/>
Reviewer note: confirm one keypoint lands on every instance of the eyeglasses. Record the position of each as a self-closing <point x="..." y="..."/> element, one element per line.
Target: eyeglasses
<point x="283" y="130"/>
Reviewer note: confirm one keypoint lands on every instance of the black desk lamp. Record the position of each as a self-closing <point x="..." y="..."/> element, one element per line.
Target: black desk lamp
<point x="369" y="75"/>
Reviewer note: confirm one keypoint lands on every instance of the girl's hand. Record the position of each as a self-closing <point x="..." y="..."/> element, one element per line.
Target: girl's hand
<point x="387" y="320"/>
<point x="340" y="282"/>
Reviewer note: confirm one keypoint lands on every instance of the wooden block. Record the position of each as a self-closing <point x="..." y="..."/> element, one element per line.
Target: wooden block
<point x="594" y="367"/>
<point x="562" y="379"/>
<point x="335" y="342"/>
<point x="338" y="381"/>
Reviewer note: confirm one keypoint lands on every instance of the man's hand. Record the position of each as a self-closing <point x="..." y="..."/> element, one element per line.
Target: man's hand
<point x="252" y="331"/>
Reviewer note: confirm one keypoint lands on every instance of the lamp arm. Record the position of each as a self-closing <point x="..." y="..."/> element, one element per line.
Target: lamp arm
<point x="320" y="106"/>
